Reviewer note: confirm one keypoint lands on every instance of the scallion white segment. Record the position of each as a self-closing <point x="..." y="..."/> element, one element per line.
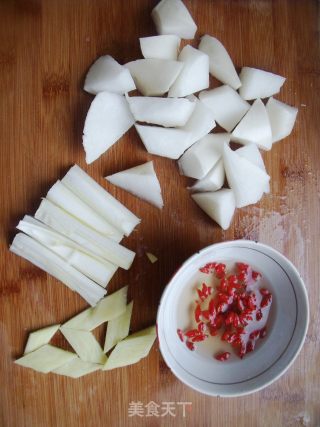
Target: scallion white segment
<point x="118" y="328"/>
<point x="39" y="255"/>
<point x="106" y="206"/>
<point x="62" y="222"/>
<point x="40" y="337"/>
<point x="96" y="268"/>
<point x="77" y="368"/>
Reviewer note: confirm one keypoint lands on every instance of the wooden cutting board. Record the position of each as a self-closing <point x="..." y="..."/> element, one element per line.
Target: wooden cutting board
<point x="46" y="49"/>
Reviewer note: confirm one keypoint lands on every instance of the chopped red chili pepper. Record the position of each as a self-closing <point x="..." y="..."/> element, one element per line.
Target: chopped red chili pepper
<point x="222" y="356"/>
<point x="199" y="338"/>
<point x="264" y="291"/>
<point x="201" y="327"/>
<point x="259" y="315"/>
<point x="192" y="333"/>
<point x="256" y="275"/>
<point x="242" y="267"/>
<point x="266" y="300"/>
<point x="250" y="346"/>
<point x="180" y="334"/>
<point x="190" y="345"/>
<point x="197" y="313"/>
<point x="255" y="334"/>
<point x="223" y="286"/>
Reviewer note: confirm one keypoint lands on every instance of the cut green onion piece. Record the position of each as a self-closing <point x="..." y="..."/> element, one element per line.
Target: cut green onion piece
<point x="87" y="189"/>
<point x="51" y="263"/>
<point x="62" y="222"/>
<point x="118" y="328"/>
<point x="77" y="368"/>
<point x="40" y="338"/>
<point x="108" y="308"/>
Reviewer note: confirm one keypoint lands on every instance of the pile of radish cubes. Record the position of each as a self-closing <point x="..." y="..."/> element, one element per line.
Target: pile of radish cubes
<point x="173" y="122"/>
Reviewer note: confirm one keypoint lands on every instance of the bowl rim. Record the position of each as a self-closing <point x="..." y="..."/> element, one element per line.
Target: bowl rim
<point x="300" y="282"/>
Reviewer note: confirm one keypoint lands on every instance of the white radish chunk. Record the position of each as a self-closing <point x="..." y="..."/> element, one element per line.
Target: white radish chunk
<point x="254" y="127"/>
<point x="131" y="349"/>
<point x="247" y="181"/>
<point x="165" y="142"/>
<point x="227" y="106"/>
<point x="154" y="77"/>
<point x="108" y="118"/>
<point x="77" y="368"/>
<point x="40" y="338"/>
<point x="106" y="74"/>
<point x="172" y="17"/>
<point x="257" y="83"/>
<point x="67" y="225"/>
<point x="194" y="75"/>
<point x="221" y="65"/>
<point x="160" y="47"/>
<point x="46" y="358"/>
<point x="94" y="195"/>
<point x="85" y="345"/>
<point x="96" y="268"/>
<point x="39" y="255"/>
<point x="213" y="181"/>
<point x="118" y="328"/>
<point x="251" y="152"/>
<point x="168" y="112"/>
<point x="203" y="155"/>
<point x="282" y="118"/>
<point x="219" y="205"/>
<point x="108" y="308"/>
<point x="62" y="196"/>
<point x="201" y="121"/>
<point x="141" y="181"/>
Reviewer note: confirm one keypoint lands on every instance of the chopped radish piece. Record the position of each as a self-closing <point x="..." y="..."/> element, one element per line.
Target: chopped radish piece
<point x="168" y="112"/>
<point x="259" y="83"/>
<point x="221" y="65"/>
<point x="141" y="181"/>
<point x="94" y="195"/>
<point x="282" y="118"/>
<point x="77" y="368"/>
<point x="251" y="152"/>
<point x="40" y="338"/>
<point x="203" y="155"/>
<point x="160" y="47"/>
<point x="154" y="77"/>
<point x="151" y="257"/>
<point x="108" y="118"/>
<point x="172" y="17"/>
<point x="106" y="74"/>
<point x="165" y="142"/>
<point x="213" y="181"/>
<point x="254" y="127"/>
<point x="118" y="328"/>
<point x="219" y="205"/>
<point x="194" y="75"/>
<point x="85" y="345"/>
<point x="247" y="181"/>
<point x="227" y="106"/>
<point x="45" y="359"/>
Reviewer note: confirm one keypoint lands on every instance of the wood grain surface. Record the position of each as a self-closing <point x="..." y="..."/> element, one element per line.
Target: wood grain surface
<point x="46" y="48"/>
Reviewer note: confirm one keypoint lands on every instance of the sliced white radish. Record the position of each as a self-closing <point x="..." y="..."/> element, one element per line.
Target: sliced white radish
<point x="282" y="118"/>
<point x="94" y="195"/>
<point x="106" y="74"/>
<point x="46" y="358"/>
<point x="213" y="181"/>
<point x="39" y="255"/>
<point x="40" y="338"/>
<point x="168" y="112"/>
<point x="77" y="368"/>
<point x="109" y="117"/>
<point x="227" y="106"/>
<point x="247" y="181"/>
<point x="194" y="75"/>
<point x="203" y="155"/>
<point x="219" y="205"/>
<point x="118" y="328"/>
<point x="85" y="345"/>
<point x="160" y="47"/>
<point x="165" y="142"/>
<point x="221" y="65"/>
<point x="257" y="83"/>
<point x="251" y="152"/>
<point x="254" y="127"/>
<point x="172" y="17"/>
<point x="62" y="222"/>
<point x="141" y="181"/>
<point x="153" y="77"/>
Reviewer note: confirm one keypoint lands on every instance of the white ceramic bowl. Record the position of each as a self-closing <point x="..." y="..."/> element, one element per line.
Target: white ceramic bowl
<point x="287" y="323"/>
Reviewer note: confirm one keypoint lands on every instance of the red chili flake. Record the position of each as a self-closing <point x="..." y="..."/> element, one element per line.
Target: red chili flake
<point x="245" y="318"/>
<point x="250" y="346"/>
<point x="242" y="267"/>
<point x="197" y="313"/>
<point x="219" y="321"/>
<point x="220" y="270"/>
<point x="222" y="307"/>
<point x="223" y="298"/>
<point x="199" y="338"/>
<point x="233" y="280"/>
<point x="236" y="321"/>
<point x="256" y="275"/>
<point x="192" y="333"/>
<point x="208" y="268"/>
<point x="242" y="277"/>
<point x="259" y="315"/>
<point x="180" y="334"/>
<point x="255" y="334"/>
<point x="266" y="300"/>
<point x="213" y="331"/>
<point x="204" y="292"/>
<point x="225" y="336"/>
<point x="263" y="332"/>
<point x="211" y="307"/>
<point x="201" y="327"/>
<point x="250" y="303"/>
<point x="223" y="286"/>
<point x="229" y="318"/>
<point x="205" y="314"/>
<point x="231" y="291"/>
<point x="264" y="292"/>
<point x="222" y="356"/>
<point x="242" y="351"/>
<point x="190" y="345"/>
<point x="241" y="331"/>
<point x="240" y="304"/>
